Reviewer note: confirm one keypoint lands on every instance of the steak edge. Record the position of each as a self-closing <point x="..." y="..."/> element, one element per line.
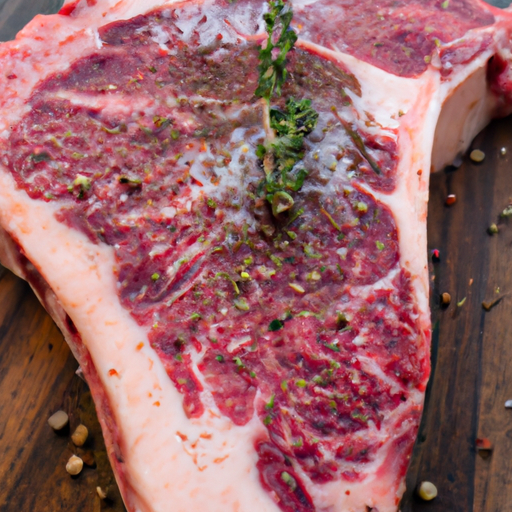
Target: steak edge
<point x="239" y="437"/>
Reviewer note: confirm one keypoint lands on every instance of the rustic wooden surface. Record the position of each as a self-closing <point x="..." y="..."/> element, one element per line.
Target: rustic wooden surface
<point x="471" y="355"/>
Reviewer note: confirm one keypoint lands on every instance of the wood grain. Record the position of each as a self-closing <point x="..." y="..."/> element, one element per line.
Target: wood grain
<point x="472" y="348"/>
<point x="471" y="356"/>
<point x="37" y="378"/>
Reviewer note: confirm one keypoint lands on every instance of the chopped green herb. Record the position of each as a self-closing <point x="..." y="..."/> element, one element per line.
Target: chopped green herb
<point x="445" y="4"/>
<point x="301" y="383"/>
<point x="195" y="316"/>
<point x="275" y="325"/>
<point x="308" y="313"/>
<point x="361" y="206"/>
<point x="341" y="319"/>
<point x="289" y="480"/>
<point x="310" y="253"/>
<point x="238" y="362"/>
<point x="155" y="276"/>
<point x="83" y="183"/>
<point x="270" y="403"/>
<point x="358" y="416"/>
<point x="298" y="443"/>
<point x="248" y="261"/>
<point x="313" y="276"/>
<point x="211" y="203"/>
<point x="135" y="182"/>
<point x="461" y="302"/>
<point x="379" y="245"/>
<point x="292" y="235"/>
<point x="295" y="215"/>
<point x="281" y="202"/>
<point x="225" y="275"/>
<point x="178" y="358"/>
<point x="284" y="385"/>
<point x="40" y="157"/>
<point x="220" y="358"/>
<point x="268" y="420"/>
<point x="122" y="128"/>
<point x="323" y="269"/>
<point x="331" y="220"/>
<point x="297" y="287"/>
<point x="241" y="304"/>
<point x="276" y="260"/>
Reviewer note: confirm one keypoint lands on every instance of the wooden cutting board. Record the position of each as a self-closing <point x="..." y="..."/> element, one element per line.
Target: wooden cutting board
<point x="471" y="356"/>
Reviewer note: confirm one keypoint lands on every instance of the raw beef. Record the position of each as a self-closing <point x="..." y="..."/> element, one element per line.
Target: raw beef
<point x="241" y="360"/>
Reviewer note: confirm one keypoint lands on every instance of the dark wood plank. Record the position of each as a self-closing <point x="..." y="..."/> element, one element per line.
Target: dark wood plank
<point x="472" y="375"/>
<point x="37" y="377"/>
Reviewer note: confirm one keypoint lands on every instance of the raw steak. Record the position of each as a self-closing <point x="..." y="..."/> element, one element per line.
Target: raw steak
<point x="241" y="360"/>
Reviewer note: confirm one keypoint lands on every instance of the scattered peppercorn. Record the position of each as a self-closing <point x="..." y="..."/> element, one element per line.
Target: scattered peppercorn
<point x="74" y="465"/>
<point x="507" y="212"/>
<point x="79" y="436"/>
<point x="477" y="155"/>
<point x="58" y="420"/>
<point x="427" y="491"/>
<point x="492" y="229"/>
<point x="446" y="298"/>
<point x="483" y="444"/>
<point x="451" y="200"/>
<point x="483" y="447"/>
<point x="101" y="493"/>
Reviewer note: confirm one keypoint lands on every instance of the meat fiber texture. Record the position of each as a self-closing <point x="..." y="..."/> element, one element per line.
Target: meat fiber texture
<point x="241" y="361"/>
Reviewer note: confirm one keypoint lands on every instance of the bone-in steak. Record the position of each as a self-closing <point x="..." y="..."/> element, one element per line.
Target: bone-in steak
<point x="243" y="359"/>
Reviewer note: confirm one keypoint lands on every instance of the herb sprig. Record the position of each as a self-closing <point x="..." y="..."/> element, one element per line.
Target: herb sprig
<point x="281" y="152"/>
<point x="281" y="39"/>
